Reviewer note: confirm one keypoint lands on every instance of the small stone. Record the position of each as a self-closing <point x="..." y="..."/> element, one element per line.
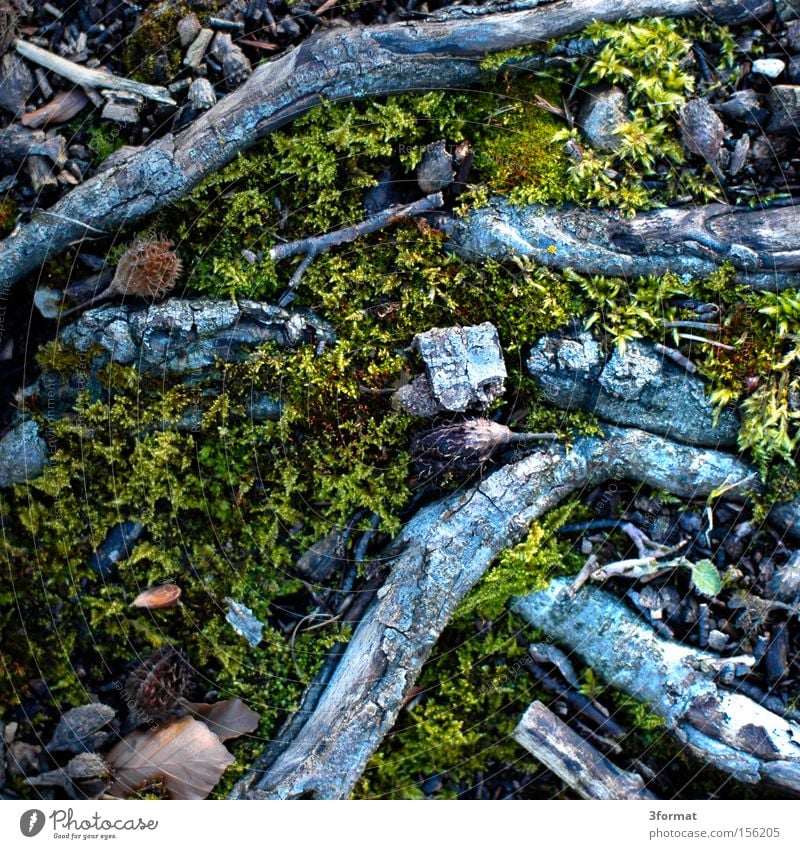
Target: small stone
<point x="236" y="66"/>
<point x="197" y="49"/>
<point x="792" y="37"/>
<point x="744" y="107"/>
<point x="603" y="112"/>
<point x="249" y="257"/>
<point x="16" y="83"/>
<point x="770" y="68"/>
<point x="435" y="171"/>
<point x="793" y="70"/>
<point x="785" y="582"/>
<point x="48" y="301"/>
<point x="783" y="101"/>
<point x="717" y="640"/>
<point x="789" y="10"/>
<point x="121" y="113"/>
<point x="23" y="454"/>
<point x="188" y="29"/>
<point x="201" y="94"/>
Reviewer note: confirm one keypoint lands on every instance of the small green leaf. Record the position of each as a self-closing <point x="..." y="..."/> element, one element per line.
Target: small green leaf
<point x="706" y="578"/>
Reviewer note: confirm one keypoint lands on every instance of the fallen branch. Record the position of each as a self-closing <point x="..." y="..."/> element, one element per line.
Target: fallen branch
<point x="576" y="762"/>
<point x="438" y="557"/>
<point x="342" y="63"/>
<point x="726" y="729"/>
<point x="761" y="244"/>
<point x="313" y="246"/>
<point x="88" y="76"/>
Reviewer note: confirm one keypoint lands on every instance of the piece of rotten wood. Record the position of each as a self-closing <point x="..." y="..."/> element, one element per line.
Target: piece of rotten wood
<point x="341" y="63"/>
<point x="761" y="244"/>
<point x="575" y="761"/>
<point x="436" y="559"/>
<point x="725" y="729"/>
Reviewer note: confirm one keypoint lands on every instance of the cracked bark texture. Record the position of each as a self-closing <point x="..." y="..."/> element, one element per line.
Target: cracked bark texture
<point x="726" y="729"/>
<point x="761" y="244"/>
<point x="341" y="63"/>
<point x="437" y="558"/>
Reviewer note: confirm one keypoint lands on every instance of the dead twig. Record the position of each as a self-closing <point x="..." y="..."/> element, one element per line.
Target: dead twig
<point x="313" y="246"/>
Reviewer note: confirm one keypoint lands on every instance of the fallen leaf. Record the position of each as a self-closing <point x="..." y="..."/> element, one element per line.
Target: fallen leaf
<point x="63" y="107"/>
<point x="154" y="598"/>
<point x="227" y="719"/>
<point x="185" y="753"/>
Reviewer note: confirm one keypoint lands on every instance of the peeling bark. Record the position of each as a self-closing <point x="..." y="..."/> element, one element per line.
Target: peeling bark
<point x="438" y="557"/>
<point x="342" y="63"/>
<point x="726" y="729"/>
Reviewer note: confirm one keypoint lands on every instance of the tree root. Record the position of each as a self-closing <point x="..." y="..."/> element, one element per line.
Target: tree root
<point x="436" y="560"/>
<point x="342" y="63"/>
<point x="725" y="729"/>
<point x="761" y="244"/>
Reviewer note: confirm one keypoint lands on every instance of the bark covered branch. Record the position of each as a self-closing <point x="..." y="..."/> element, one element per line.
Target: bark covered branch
<point x="727" y="729"/>
<point x="342" y="63"/>
<point x="761" y="244"/>
<point x="437" y="559"/>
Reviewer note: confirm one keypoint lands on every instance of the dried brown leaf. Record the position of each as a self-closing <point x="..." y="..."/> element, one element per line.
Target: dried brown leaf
<point x="63" y="107"/>
<point x="155" y="598"/>
<point x="185" y="753"/>
<point x="227" y="719"/>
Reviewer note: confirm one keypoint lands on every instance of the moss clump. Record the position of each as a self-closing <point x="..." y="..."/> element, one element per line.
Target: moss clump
<point x="152" y="53"/>
<point x="8" y="215"/>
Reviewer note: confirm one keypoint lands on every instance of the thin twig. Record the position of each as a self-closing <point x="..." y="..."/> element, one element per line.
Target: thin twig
<point x="695" y="325"/>
<point x="713" y="342"/>
<point x="88" y="76"/>
<point x="313" y="246"/>
<point x="677" y="357"/>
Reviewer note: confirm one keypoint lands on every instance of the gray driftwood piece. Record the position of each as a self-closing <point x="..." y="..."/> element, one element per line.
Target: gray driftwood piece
<point x="761" y="244"/>
<point x="341" y="63"/>
<point x="637" y="388"/>
<point x="574" y="760"/>
<point x="437" y="558"/>
<point x="726" y="729"/>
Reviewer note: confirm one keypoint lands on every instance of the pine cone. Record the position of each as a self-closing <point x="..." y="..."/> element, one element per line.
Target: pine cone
<point x="461" y="447"/>
<point x="155" y="688"/>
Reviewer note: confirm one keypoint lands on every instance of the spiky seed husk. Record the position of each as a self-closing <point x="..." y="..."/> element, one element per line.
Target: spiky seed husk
<point x="157" y="686"/>
<point x="149" y="268"/>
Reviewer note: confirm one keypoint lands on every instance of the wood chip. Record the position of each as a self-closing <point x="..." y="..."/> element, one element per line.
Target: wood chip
<point x="63" y="107"/>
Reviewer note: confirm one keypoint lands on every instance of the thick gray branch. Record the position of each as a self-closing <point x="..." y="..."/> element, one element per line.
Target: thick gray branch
<point x="437" y="559"/>
<point x="342" y="63"/>
<point x="763" y="245"/>
<point x="726" y="729"/>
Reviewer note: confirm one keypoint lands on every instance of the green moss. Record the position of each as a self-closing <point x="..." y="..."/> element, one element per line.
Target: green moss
<point x="8" y="215"/>
<point x="152" y="53"/>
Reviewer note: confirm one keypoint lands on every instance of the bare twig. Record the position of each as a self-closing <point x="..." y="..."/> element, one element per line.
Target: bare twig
<point x="677" y="357"/>
<point x="87" y="76"/>
<point x="313" y="246"/>
<point x="692" y="338"/>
